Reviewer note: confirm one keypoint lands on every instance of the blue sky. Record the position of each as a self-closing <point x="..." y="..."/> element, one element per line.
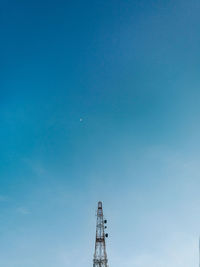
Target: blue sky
<point x="99" y="100"/>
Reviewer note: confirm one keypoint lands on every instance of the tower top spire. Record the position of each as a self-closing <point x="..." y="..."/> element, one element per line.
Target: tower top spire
<point x="99" y="205"/>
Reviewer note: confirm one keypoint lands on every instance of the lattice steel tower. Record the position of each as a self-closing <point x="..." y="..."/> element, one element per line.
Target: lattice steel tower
<point x="100" y="256"/>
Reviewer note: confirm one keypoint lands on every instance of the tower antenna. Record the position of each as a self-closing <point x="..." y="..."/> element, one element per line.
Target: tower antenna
<point x="100" y="256"/>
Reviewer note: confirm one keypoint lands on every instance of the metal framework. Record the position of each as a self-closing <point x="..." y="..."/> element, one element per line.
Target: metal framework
<point x="100" y="256"/>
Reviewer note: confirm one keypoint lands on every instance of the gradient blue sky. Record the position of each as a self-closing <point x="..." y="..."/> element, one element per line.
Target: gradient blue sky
<point x="130" y="70"/>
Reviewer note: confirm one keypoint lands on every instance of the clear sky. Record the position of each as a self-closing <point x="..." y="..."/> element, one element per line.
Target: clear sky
<point x="99" y="100"/>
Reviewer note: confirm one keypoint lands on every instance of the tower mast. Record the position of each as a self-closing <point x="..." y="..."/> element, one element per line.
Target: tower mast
<point x="100" y="256"/>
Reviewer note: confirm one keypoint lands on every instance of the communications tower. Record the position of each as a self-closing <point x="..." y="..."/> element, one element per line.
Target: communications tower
<point x="100" y="256"/>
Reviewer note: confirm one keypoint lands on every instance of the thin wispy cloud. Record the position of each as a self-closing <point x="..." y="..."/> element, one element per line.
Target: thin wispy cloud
<point x="23" y="210"/>
<point x="35" y="167"/>
<point x="3" y="198"/>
